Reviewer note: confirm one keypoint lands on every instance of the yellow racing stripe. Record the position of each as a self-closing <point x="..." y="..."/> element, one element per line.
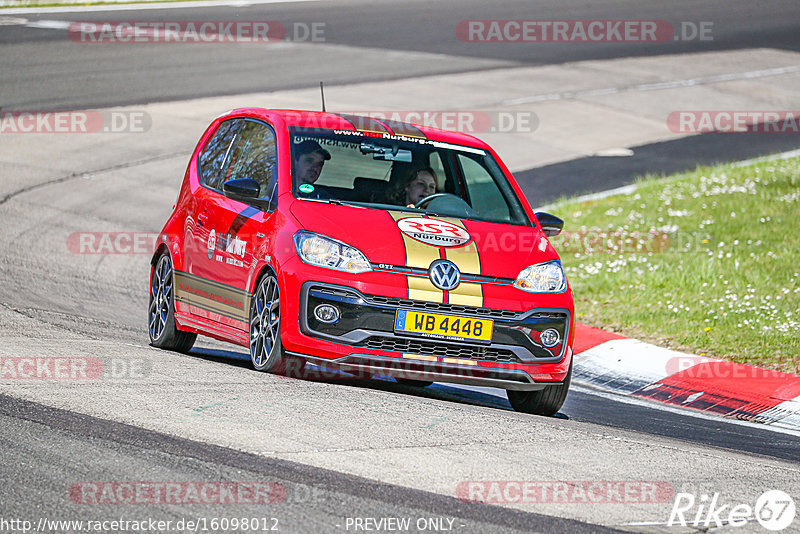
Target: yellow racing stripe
<point x="468" y="260"/>
<point x="420" y="255"/>
<point x="228" y="301"/>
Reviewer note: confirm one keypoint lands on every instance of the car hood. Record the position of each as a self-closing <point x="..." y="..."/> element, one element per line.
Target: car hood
<point x="396" y="238"/>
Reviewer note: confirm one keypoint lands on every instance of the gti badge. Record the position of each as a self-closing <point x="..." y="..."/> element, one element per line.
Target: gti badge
<point x="444" y="274"/>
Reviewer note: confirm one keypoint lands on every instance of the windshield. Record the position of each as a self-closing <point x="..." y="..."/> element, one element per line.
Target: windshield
<point x="401" y="173"/>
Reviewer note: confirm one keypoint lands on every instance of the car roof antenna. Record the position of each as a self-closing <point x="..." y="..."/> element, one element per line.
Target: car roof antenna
<point x="322" y="94"/>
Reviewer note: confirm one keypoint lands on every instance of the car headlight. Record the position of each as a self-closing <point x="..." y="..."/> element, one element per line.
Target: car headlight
<point x="326" y="252"/>
<point x="542" y="278"/>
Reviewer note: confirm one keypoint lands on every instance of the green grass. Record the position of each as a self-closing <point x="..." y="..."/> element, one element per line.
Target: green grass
<point x="714" y="270"/>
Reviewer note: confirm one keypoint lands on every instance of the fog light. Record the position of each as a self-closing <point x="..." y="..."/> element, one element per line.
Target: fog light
<point x="325" y="313"/>
<point x="550" y="337"/>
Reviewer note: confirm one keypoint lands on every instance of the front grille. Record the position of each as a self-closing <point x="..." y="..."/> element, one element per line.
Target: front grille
<point x="443" y="308"/>
<point x="446" y="350"/>
<point x="437" y="307"/>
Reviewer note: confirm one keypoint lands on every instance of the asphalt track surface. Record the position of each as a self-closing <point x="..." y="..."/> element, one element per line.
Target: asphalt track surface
<point x="43" y="69"/>
<point x="139" y="430"/>
<point x="315" y="499"/>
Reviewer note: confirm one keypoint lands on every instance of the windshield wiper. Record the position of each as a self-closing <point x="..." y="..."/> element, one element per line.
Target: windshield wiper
<point x="340" y="202"/>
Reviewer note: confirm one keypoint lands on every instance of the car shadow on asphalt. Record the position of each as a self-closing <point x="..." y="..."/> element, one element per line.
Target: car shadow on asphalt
<point x="315" y="373"/>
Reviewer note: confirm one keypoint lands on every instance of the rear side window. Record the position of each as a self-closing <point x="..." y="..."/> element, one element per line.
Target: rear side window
<point x="216" y="154"/>
<point x="254" y="155"/>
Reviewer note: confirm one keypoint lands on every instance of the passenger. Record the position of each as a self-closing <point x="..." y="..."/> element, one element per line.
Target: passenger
<point x="419" y="184"/>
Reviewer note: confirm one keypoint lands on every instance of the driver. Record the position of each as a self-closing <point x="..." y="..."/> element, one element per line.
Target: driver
<point x="310" y="159"/>
<point x="419" y="184"/>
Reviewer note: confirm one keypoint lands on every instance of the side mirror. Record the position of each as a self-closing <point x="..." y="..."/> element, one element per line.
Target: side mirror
<point x="244" y="189"/>
<point x="551" y="225"/>
<point x="248" y="191"/>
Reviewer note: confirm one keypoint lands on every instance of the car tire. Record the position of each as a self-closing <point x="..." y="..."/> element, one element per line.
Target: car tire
<point x="546" y="401"/>
<point x="266" y="349"/>
<point x="163" y="332"/>
<point x="414" y="383"/>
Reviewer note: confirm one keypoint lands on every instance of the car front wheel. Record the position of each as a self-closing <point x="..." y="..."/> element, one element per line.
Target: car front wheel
<point x="546" y="401"/>
<point x="266" y="349"/>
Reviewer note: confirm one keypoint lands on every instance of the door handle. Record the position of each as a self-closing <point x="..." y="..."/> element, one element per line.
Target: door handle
<point x="202" y="218"/>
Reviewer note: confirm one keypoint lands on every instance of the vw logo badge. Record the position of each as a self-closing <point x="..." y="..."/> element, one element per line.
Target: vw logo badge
<point x="444" y="274"/>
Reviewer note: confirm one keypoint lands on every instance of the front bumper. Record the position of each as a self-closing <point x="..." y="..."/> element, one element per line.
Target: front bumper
<point x="515" y="358"/>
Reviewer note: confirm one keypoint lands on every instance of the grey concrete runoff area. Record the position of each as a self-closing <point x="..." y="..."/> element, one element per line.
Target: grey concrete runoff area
<point x="342" y="449"/>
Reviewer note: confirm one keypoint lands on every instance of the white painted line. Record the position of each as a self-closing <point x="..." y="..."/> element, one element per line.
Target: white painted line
<point x="624" y="190"/>
<point x="773" y="157"/>
<point x="12" y="21"/>
<point x="50" y="24"/>
<point x="656" y="86"/>
<point x="614" y="153"/>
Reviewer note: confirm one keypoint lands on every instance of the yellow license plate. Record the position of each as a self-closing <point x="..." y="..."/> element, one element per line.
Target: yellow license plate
<point x="443" y="326"/>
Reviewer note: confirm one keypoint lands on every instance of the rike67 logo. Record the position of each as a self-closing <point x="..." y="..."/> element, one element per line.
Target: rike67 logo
<point x="774" y="510"/>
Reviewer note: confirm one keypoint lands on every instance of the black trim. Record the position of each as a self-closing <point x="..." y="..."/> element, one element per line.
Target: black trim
<point x="243" y="216"/>
<point x="512" y="330"/>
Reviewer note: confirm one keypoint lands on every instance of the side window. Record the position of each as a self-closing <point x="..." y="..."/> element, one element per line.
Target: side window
<point x="438" y="167"/>
<point x="216" y="154"/>
<point x="486" y="198"/>
<point x="255" y="155"/>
